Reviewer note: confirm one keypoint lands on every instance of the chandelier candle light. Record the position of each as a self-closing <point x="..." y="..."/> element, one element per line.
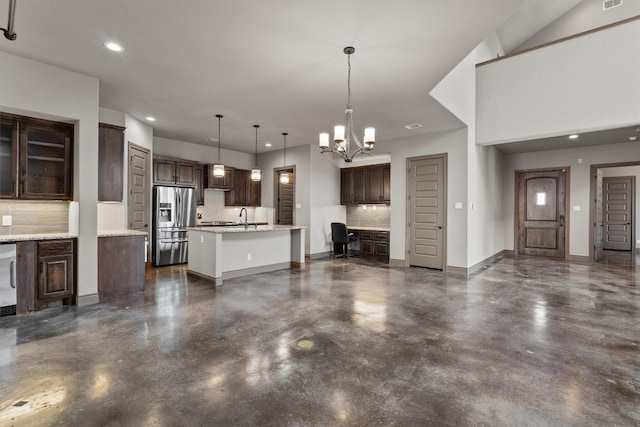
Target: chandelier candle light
<point x="284" y="175"/>
<point x="256" y="174"/>
<point x="218" y="168"/>
<point x="343" y="136"/>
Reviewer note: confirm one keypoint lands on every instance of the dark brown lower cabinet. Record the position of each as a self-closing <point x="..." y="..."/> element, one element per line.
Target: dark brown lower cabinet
<point x="46" y="272"/>
<point x="373" y="243"/>
<point x="121" y="269"/>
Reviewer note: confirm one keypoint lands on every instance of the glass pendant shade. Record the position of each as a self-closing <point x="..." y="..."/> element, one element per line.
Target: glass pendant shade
<point x="284" y="178"/>
<point x="218" y="170"/>
<point x="256" y="174"/>
<point x="324" y="140"/>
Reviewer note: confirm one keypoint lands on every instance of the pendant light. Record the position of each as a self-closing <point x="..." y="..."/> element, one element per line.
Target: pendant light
<point x="256" y="174"/>
<point x="218" y="168"/>
<point x="284" y="175"/>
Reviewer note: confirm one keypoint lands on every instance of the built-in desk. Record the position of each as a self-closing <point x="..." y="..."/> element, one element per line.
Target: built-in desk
<point x="372" y="241"/>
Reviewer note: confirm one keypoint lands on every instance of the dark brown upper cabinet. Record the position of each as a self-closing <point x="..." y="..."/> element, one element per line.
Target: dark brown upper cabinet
<point x="110" y="163"/>
<point x="36" y="158"/>
<point x="244" y="191"/>
<point x="365" y="185"/>
<point x="170" y="171"/>
<point x="199" y="185"/>
<point x="219" y="183"/>
<point x="8" y="156"/>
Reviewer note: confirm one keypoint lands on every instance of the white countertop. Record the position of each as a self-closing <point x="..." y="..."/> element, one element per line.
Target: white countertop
<point x="242" y="229"/>
<point x="368" y="228"/>
<point x="39" y="236"/>
<point x="123" y="233"/>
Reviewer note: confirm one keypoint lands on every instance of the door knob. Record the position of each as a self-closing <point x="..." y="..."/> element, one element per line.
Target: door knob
<point x="439" y="227"/>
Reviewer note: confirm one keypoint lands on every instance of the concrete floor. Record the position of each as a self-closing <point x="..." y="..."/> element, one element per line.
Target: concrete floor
<point x="525" y="342"/>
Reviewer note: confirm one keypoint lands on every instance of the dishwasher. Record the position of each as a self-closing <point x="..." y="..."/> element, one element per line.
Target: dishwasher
<point x="8" y="295"/>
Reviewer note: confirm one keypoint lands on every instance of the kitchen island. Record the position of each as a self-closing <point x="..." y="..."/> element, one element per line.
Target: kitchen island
<point x="218" y="253"/>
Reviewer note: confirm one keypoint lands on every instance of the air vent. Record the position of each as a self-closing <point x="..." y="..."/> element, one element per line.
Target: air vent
<point x="413" y="126"/>
<point x="608" y="4"/>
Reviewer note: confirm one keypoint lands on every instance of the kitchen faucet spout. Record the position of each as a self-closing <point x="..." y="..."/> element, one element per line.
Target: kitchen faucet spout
<point x="246" y="216"/>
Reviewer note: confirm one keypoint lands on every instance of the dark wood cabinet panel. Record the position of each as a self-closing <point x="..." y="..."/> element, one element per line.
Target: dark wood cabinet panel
<point x="346" y="186"/>
<point x="244" y="191"/>
<point x="121" y="269"/>
<point x="185" y="174"/>
<point x="8" y="156"/>
<point x="110" y="163"/>
<point x="199" y="174"/>
<point x="373" y="243"/>
<point x="255" y="192"/>
<point x="365" y="184"/>
<point x="46" y="153"/>
<point x="46" y="272"/>
<point x="222" y="183"/>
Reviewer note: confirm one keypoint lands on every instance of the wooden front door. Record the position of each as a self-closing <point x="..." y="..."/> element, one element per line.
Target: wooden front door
<point x="541" y="212"/>
<point x="138" y="201"/>
<point x="426" y="222"/>
<point x="617" y="206"/>
<point x="597" y="224"/>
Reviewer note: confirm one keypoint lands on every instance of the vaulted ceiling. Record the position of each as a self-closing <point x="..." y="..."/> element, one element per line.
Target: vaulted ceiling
<point x="276" y="63"/>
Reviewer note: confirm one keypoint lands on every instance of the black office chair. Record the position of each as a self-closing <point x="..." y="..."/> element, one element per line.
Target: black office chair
<point x="341" y="237"/>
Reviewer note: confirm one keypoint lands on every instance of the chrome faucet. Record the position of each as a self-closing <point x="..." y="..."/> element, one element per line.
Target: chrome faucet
<point x="246" y="217"/>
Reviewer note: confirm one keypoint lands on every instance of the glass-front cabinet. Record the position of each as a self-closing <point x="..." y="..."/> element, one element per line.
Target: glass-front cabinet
<point x="36" y="158"/>
<point x="8" y="156"/>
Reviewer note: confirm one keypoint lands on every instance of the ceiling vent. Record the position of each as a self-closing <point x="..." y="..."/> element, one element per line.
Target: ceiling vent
<point x="608" y="4"/>
<point x="413" y="126"/>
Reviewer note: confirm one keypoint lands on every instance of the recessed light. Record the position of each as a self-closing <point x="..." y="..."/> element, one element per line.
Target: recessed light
<point x="413" y="126"/>
<point x="212" y="139"/>
<point x="151" y="119"/>
<point x="574" y="136"/>
<point x="267" y="145"/>
<point x="113" y="46"/>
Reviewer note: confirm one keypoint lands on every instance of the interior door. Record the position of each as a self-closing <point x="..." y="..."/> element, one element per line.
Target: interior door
<point x="138" y="204"/>
<point x="285" y="194"/>
<point x="426" y="224"/>
<point x="541" y="213"/>
<point x="617" y="206"/>
<point x="597" y="225"/>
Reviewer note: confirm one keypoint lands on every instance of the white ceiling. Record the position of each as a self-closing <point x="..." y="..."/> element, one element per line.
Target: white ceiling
<point x="276" y="63"/>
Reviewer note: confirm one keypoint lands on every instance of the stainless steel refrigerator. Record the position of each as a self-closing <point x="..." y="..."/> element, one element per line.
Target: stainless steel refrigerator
<point x="174" y="209"/>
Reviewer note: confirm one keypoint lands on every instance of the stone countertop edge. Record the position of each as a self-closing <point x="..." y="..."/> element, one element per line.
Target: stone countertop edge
<point x="368" y="228"/>
<point x="9" y="238"/>
<point x="250" y="229"/>
<point x="120" y="233"/>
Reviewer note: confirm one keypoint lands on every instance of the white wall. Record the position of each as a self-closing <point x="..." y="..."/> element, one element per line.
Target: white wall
<point x="35" y="89"/>
<point x="584" y="84"/>
<point x="325" y="201"/>
<point x="628" y="171"/>
<point x="300" y="158"/>
<point x="579" y="224"/>
<point x="454" y="143"/>
<point x="586" y="15"/>
<point x="201" y="153"/>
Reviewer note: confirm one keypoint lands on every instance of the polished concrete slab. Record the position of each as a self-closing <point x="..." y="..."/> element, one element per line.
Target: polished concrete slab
<point x="524" y="342"/>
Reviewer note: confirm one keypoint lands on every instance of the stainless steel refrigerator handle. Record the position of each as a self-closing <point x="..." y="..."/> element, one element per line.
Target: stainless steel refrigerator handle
<point x="179" y="197"/>
<point x="12" y="274"/>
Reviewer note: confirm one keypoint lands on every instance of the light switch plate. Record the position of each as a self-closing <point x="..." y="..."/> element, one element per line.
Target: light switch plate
<point x="576" y="208"/>
<point x="458" y="205"/>
<point x="6" y="220"/>
<point x="298" y="206"/>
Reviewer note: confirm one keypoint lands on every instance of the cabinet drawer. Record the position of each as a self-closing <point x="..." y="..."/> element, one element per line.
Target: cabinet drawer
<point x="366" y="235"/>
<point x="382" y="236"/>
<point x="55" y="247"/>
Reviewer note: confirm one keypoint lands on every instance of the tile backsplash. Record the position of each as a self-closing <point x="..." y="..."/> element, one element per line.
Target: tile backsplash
<point x="369" y="216"/>
<point x="34" y="217"/>
<point x="112" y="216"/>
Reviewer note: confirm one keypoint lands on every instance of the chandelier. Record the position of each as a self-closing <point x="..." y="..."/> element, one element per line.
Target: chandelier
<point x="343" y="136"/>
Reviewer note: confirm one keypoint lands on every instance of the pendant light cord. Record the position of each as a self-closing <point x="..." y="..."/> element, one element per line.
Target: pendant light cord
<point x="256" y="126"/>
<point x="349" y="81"/>
<point x="219" y="116"/>
<point x="285" y="148"/>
